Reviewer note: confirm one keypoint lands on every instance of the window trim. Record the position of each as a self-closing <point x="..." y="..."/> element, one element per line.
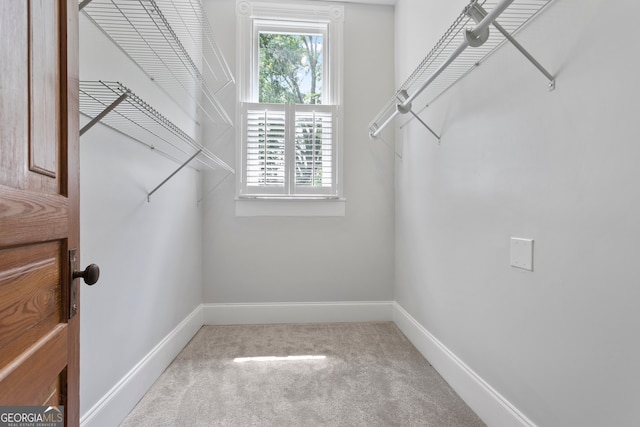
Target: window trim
<point x="254" y="16"/>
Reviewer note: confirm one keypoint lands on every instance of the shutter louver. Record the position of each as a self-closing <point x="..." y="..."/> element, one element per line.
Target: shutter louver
<point x="314" y="149"/>
<point x="265" y="148"/>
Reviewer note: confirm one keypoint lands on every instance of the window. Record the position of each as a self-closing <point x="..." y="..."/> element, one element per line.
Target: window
<point x="290" y="92"/>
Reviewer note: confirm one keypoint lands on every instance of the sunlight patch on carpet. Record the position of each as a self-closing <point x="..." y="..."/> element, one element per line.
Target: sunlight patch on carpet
<point x="278" y="358"/>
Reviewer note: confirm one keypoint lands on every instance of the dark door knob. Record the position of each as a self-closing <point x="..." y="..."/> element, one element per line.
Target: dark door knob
<point x="90" y="275"/>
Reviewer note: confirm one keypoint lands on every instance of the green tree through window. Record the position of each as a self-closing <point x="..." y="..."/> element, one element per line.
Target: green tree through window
<point x="290" y="68"/>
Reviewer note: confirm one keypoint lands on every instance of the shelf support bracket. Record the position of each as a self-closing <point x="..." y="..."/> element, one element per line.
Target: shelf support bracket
<point x="404" y="108"/>
<point x="523" y="51"/>
<point x="106" y="111"/>
<point x="548" y="75"/>
<point x="83" y="4"/>
<point x="425" y="125"/>
<point x="173" y="174"/>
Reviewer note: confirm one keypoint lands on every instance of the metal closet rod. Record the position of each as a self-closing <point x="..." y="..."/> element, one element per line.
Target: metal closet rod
<point x="473" y="37"/>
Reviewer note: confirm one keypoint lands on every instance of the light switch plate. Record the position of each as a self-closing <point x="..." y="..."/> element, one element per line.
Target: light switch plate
<point x="522" y="253"/>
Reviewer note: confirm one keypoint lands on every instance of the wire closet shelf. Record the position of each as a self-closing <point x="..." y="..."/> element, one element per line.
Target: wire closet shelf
<point x="458" y="52"/>
<point x="173" y="43"/>
<point x="116" y="106"/>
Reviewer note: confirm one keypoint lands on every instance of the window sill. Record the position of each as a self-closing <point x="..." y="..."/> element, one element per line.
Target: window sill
<point x="287" y="206"/>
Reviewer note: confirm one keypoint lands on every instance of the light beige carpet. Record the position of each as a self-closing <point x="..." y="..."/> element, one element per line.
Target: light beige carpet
<point x="338" y="374"/>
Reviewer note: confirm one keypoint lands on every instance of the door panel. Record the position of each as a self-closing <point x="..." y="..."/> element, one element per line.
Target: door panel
<point x="14" y="90"/>
<point x="29" y="215"/>
<point x="29" y="379"/>
<point x="30" y="296"/>
<point x="39" y="209"/>
<point x="44" y="90"/>
<point x="31" y="94"/>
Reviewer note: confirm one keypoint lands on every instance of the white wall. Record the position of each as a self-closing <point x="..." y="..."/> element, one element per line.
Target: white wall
<point x="149" y="253"/>
<point x="302" y="259"/>
<point x="560" y="343"/>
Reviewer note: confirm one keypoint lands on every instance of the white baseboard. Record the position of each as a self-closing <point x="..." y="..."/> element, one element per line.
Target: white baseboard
<point x="483" y="399"/>
<point x="320" y="312"/>
<point x="122" y="398"/>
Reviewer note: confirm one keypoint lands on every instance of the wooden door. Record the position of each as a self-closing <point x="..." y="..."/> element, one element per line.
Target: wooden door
<point x="39" y="210"/>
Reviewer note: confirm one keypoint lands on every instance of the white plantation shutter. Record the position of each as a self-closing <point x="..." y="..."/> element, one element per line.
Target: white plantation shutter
<point x="264" y="149"/>
<point x="314" y="149"/>
<point x="289" y="150"/>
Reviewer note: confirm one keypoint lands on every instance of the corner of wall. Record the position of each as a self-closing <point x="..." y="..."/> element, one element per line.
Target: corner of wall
<point x="122" y="398"/>
<point x="493" y="408"/>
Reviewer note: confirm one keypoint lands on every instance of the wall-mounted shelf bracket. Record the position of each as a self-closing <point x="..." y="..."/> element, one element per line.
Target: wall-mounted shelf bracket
<point x="172" y="175"/>
<point x="106" y="111"/>
<point x="404" y="108"/>
<point x="552" y="80"/>
<point x="83" y="4"/>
